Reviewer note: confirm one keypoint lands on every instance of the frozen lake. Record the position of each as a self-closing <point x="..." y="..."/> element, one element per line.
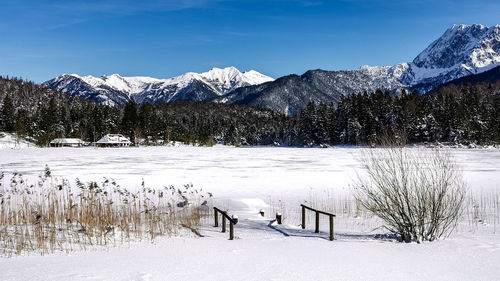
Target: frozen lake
<point x="227" y="171"/>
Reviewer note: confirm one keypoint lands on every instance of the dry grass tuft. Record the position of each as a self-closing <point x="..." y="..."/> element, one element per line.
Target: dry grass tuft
<point x="52" y="215"/>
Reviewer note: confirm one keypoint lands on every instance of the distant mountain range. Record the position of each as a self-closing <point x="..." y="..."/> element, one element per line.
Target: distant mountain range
<point x="461" y="51"/>
<point x="117" y="90"/>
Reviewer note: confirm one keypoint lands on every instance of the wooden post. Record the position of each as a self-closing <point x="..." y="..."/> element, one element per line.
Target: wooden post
<point x="317" y="223"/>
<point x="278" y="218"/>
<point x="303" y="217"/>
<point x="231" y="230"/>
<point x="223" y="223"/>
<point x="216" y="217"/>
<point x="331" y="228"/>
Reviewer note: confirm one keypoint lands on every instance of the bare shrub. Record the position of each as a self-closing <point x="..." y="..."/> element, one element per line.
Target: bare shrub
<point x="418" y="193"/>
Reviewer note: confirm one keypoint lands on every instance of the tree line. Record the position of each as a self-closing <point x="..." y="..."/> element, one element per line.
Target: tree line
<point x="457" y="114"/>
<point x="462" y="114"/>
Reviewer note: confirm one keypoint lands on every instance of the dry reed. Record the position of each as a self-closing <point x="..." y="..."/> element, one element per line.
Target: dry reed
<point x="52" y="215"/>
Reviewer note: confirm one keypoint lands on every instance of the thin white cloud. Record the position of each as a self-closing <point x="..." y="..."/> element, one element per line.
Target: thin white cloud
<point x="55" y="14"/>
<point x="127" y="6"/>
<point x="63" y="24"/>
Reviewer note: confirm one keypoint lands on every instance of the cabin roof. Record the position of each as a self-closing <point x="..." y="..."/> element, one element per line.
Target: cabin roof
<point x="114" y="138"/>
<point x="67" y="141"/>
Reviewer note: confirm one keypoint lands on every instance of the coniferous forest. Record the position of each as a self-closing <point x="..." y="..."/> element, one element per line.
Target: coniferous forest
<point x="462" y="114"/>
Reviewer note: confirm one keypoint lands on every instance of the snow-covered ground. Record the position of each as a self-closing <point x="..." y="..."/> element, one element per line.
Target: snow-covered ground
<point x="245" y="180"/>
<point x="12" y="141"/>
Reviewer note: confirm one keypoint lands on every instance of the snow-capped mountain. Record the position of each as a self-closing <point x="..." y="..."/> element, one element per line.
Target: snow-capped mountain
<point x="462" y="50"/>
<point x="115" y="89"/>
<point x="474" y="46"/>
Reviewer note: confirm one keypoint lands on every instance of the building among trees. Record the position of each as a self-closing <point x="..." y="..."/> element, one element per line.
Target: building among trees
<point x="113" y="140"/>
<point x="67" y="142"/>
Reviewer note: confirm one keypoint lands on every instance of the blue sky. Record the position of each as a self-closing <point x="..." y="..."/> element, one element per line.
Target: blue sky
<point x="45" y="38"/>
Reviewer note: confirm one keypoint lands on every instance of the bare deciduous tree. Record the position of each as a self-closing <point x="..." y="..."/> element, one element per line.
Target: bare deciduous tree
<point x="418" y="193"/>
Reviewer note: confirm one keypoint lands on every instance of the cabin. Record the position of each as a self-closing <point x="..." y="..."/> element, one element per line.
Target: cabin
<point x="113" y="140"/>
<point x="67" y="142"/>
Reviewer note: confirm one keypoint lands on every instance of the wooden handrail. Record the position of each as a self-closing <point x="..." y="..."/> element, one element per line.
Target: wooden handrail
<point x="224" y="213"/>
<point x="314" y="210"/>
<point x="317" y="212"/>
<point x="232" y="221"/>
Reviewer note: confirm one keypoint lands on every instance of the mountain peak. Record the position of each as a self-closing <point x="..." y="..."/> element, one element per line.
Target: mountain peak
<point x="471" y="45"/>
<point x="227" y="69"/>
<point x="229" y="78"/>
<point x="466" y="26"/>
<point x="221" y="73"/>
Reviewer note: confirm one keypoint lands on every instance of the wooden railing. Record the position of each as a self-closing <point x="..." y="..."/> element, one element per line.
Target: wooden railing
<point x="317" y="212"/>
<point x="232" y="221"/>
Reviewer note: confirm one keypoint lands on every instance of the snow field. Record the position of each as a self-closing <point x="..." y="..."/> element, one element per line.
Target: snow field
<point x="245" y="181"/>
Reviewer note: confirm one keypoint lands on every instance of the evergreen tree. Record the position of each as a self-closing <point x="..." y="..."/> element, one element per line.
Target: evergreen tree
<point x="308" y="119"/>
<point x="146" y="120"/>
<point x="130" y="120"/>
<point x="8" y="112"/>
